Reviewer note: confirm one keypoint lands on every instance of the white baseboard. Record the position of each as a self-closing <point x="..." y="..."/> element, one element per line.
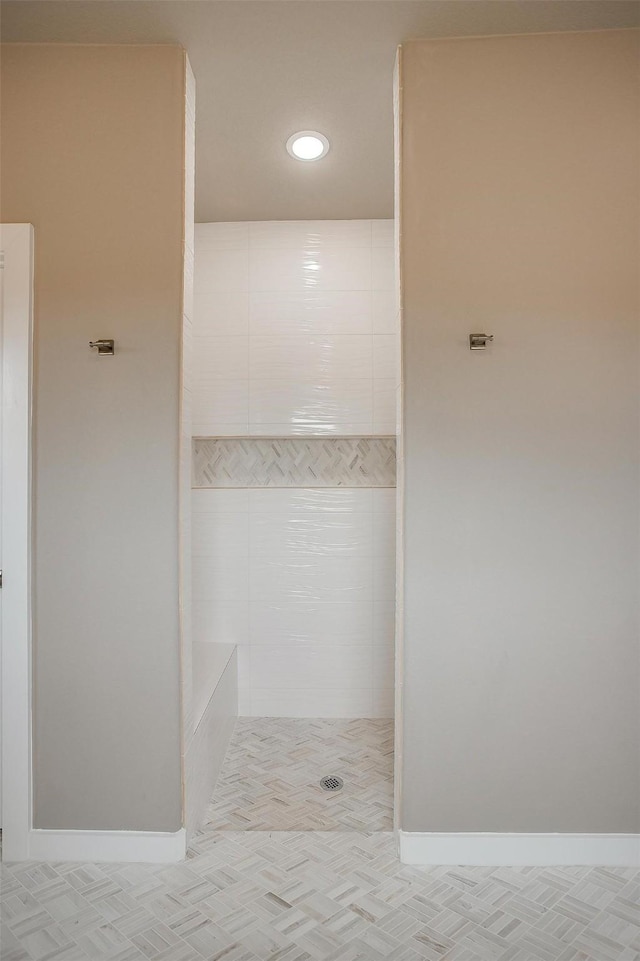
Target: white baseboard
<point x="614" y="850"/>
<point x="150" y="846"/>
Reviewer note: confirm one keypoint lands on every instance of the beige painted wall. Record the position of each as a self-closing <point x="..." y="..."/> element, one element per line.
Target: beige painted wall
<point x="520" y="218"/>
<point x="92" y="156"/>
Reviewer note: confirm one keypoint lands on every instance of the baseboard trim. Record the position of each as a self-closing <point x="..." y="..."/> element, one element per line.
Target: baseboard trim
<point x="153" y="847"/>
<point x="614" y="850"/>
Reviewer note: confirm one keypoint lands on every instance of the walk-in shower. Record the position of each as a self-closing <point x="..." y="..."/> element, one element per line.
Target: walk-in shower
<point x="295" y="382"/>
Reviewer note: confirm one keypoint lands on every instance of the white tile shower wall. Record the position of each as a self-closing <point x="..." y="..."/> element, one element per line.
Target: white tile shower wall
<point x="296" y="333"/>
<point x="295" y="329"/>
<point x="302" y="581"/>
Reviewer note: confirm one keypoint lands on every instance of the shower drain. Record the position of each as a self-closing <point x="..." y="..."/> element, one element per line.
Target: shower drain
<point x="331" y="782"/>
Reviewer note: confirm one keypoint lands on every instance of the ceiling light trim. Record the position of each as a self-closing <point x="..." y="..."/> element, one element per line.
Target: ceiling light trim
<point x="302" y="134"/>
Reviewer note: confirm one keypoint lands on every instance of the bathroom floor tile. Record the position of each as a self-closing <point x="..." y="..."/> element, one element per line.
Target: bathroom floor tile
<point x="271" y="774"/>
<point x="319" y="896"/>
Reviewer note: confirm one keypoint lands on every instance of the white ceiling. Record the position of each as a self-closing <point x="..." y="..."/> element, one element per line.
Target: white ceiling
<point x="266" y="68"/>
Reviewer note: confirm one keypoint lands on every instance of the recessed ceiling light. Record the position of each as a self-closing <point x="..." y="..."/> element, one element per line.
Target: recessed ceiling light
<point x="308" y="145"/>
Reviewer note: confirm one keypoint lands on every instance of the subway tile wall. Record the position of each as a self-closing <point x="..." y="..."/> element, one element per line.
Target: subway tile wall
<point x="296" y="329"/>
<point x="296" y="334"/>
<point x="303" y="581"/>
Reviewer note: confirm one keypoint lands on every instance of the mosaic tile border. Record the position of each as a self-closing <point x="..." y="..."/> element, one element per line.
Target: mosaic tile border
<point x="227" y="462"/>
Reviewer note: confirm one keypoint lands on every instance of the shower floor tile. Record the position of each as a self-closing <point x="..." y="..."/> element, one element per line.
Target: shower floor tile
<point x="271" y="773"/>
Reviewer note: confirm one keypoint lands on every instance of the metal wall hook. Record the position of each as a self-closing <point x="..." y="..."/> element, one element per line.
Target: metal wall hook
<point x="479" y="341"/>
<point x="103" y="346"/>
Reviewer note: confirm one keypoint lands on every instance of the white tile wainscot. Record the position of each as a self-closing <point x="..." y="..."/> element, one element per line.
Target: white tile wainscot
<point x="302" y="581"/>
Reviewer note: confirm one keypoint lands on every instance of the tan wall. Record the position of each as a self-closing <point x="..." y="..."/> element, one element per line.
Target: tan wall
<point x="92" y="156"/>
<point x="520" y="218"/>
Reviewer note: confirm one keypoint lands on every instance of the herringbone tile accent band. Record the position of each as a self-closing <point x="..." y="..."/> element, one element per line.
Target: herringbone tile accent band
<point x="294" y="462"/>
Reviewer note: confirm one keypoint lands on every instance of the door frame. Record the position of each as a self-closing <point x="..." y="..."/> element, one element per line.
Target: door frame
<point x="16" y="243"/>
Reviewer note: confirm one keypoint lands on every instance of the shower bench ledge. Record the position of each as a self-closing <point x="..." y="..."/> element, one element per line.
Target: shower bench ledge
<point x="215" y="709"/>
<point x="210" y="661"/>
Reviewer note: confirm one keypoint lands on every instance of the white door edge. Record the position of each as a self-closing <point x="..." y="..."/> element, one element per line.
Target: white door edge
<point x="16" y="242"/>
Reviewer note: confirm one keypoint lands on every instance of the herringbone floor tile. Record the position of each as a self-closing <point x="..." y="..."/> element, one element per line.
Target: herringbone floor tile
<point x="271" y="773"/>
